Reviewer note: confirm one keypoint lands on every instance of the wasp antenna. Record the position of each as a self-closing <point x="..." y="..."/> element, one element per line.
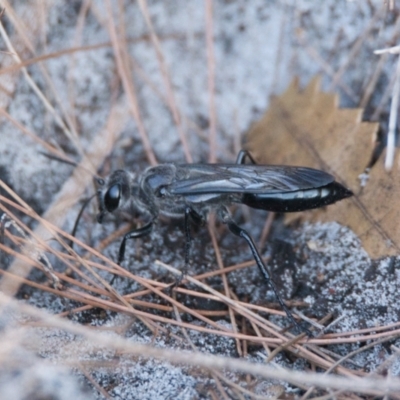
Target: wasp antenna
<point x="59" y="158"/>
<point x="78" y="218"/>
<point x="65" y="160"/>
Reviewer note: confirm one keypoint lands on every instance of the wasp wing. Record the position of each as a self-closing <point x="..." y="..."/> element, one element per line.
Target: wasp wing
<point x="192" y="179"/>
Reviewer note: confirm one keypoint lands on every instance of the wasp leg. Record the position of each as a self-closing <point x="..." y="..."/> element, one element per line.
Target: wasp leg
<point x="238" y="231"/>
<point x="134" y="234"/>
<point x="241" y="158"/>
<point x="199" y="220"/>
<point x="78" y="218"/>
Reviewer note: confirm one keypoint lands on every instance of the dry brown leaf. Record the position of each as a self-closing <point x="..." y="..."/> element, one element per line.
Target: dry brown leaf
<point x="307" y="128"/>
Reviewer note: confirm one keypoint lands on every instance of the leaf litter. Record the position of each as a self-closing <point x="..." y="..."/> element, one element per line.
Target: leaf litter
<point x="306" y="127"/>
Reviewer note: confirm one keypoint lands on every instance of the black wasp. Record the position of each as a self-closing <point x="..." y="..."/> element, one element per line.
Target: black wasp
<point x="192" y="190"/>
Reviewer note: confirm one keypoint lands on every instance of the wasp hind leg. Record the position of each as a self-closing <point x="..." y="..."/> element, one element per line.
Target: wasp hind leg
<point x="238" y="231"/>
<point x="241" y="157"/>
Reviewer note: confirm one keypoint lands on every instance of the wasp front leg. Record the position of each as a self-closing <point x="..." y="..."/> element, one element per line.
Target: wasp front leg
<point x="133" y="234"/>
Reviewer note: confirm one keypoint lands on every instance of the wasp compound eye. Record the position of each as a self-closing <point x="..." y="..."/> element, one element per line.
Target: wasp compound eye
<point x="112" y="198"/>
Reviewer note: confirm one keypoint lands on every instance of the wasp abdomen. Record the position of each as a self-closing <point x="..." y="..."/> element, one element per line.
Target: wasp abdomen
<point x="298" y="200"/>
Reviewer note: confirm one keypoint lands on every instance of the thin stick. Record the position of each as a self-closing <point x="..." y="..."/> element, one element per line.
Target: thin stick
<point x="370" y="385"/>
<point x="211" y="82"/>
<point x="211" y="230"/>
<point x="164" y="71"/>
<point x="394" y="106"/>
<point x="74" y="187"/>
<point x="71" y="136"/>
<point x="128" y="85"/>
